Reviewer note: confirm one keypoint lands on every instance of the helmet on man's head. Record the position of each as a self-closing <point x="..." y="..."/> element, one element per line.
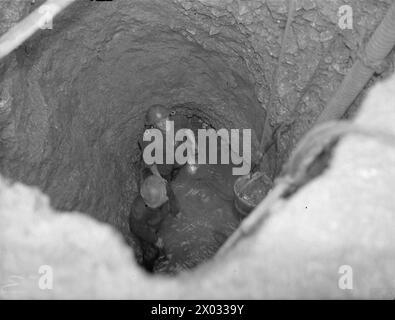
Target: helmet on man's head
<point x="156" y="113"/>
<point x="153" y="191"/>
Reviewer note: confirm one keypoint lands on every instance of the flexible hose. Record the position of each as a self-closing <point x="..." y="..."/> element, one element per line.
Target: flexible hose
<point x="377" y="49"/>
<point x="25" y="28"/>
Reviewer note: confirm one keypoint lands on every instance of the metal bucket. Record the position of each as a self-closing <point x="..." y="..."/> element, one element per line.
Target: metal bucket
<point x="242" y="205"/>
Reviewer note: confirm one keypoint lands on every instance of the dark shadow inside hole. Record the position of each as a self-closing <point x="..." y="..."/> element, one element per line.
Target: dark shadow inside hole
<point x="206" y="215"/>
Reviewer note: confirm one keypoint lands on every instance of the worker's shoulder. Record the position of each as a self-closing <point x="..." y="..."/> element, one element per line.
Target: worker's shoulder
<point x="139" y="208"/>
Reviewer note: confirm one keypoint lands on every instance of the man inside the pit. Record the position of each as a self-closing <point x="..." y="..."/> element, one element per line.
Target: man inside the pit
<point x="156" y="117"/>
<point x="155" y="202"/>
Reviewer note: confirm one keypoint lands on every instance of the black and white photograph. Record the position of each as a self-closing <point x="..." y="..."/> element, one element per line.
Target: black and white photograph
<point x="197" y="150"/>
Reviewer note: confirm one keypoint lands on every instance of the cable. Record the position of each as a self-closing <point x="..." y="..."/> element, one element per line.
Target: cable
<point x="29" y="25"/>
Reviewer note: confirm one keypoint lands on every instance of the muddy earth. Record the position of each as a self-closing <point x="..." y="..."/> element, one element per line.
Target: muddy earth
<point x="73" y="99"/>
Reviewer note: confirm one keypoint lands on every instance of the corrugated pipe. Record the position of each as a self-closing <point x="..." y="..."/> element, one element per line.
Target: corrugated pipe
<point x="377" y="49"/>
<point x="25" y="28"/>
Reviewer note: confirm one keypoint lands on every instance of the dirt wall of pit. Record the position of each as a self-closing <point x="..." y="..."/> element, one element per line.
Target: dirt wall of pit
<point x="343" y="218"/>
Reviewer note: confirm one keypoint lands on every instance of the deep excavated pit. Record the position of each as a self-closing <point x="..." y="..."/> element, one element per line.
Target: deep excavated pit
<point x="82" y="92"/>
<point x="74" y="98"/>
